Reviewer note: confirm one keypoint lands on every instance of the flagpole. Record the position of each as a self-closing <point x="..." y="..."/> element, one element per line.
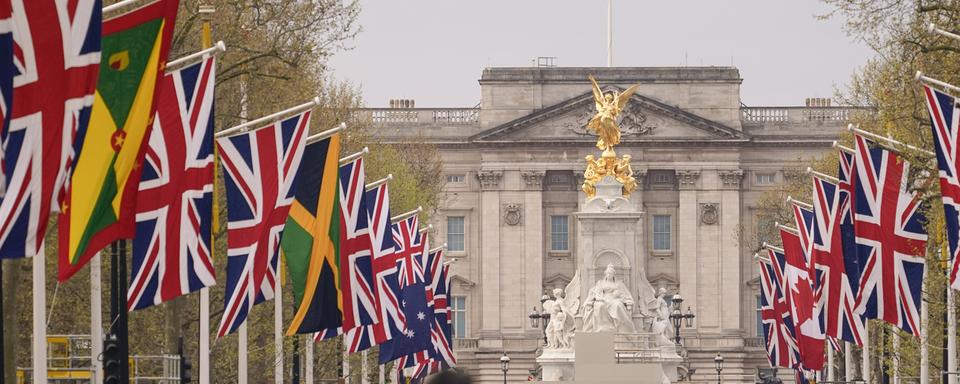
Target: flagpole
<point x="308" y="367"/>
<point x="39" y="316"/>
<point x="951" y="336"/>
<point x="206" y="41"/>
<point x="924" y="324"/>
<point x="96" y="318"/>
<point x="383" y="374"/>
<point x="269" y="118"/>
<point x="364" y="370"/>
<point x="847" y="361"/>
<point x="242" y="354"/>
<point x="865" y="355"/>
<point x="346" y="362"/>
<point x="830" y="375"/>
<point x="278" y="329"/>
<point x="609" y="33"/>
<point x="895" y="336"/>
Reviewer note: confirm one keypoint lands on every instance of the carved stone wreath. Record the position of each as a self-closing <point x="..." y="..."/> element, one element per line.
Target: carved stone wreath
<point x="511" y="214"/>
<point x="633" y="122"/>
<point x="709" y="213"/>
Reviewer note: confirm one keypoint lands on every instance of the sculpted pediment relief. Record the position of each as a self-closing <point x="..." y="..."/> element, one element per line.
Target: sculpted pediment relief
<point x="643" y="118"/>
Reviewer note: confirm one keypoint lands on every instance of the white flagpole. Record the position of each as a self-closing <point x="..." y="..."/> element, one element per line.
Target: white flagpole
<point x="346" y="363"/>
<point x="830" y="375"/>
<point x="308" y="376"/>
<point x="204" y="362"/>
<point x="383" y="374"/>
<point x="96" y="317"/>
<point x="609" y="33"/>
<point x="951" y="336"/>
<point x="40" y="316"/>
<point x="896" y="355"/>
<point x="924" y="348"/>
<point x="242" y="354"/>
<point x="278" y="332"/>
<point x="847" y="361"/>
<point x="364" y="370"/>
<point x="865" y="370"/>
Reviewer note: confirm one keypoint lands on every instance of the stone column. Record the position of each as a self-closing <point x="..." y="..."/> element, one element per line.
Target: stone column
<point x="490" y="255"/>
<point x="687" y="249"/>
<point x="729" y="246"/>
<point x="533" y="233"/>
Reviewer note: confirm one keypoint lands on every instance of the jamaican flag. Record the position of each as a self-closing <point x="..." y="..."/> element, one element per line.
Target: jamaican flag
<point x="311" y="239"/>
<point x="98" y="206"/>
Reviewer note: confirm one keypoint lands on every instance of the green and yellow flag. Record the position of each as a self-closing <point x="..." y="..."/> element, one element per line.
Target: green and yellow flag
<point x="98" y="207"/>
<point x="311" y="239"/>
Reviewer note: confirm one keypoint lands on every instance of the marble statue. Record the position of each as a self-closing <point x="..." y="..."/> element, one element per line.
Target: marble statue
<point x="661" y="325"/>
<point x="609" y="306"/>
<point x="562" y="309"/>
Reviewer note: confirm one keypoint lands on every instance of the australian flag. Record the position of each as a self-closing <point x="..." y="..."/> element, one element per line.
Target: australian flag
<point x="418" y="316"/>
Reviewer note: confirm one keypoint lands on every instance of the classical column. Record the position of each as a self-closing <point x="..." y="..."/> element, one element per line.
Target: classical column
<point x="533" y="234"/>
<point x="687" y="223"/>
<point x="730" y="299"/>
<point x="489" y="246"/>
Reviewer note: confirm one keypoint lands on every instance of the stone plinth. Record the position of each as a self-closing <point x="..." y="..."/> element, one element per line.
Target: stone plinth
<point x="595" y="359"/>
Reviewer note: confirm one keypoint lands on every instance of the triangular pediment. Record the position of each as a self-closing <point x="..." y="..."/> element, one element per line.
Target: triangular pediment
<point x="644" y="118"/>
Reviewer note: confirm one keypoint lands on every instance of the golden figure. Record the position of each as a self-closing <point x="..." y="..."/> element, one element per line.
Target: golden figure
<point x="609" y="105"/>
<point x="608" y="165"/>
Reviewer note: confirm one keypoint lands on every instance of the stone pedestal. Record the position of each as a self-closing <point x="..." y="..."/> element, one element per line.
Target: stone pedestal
<point x="557" y="365"/>
<point x="596" y="360"/>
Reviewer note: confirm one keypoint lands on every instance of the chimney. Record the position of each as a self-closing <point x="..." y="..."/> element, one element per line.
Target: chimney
<point x="402" y="103"/>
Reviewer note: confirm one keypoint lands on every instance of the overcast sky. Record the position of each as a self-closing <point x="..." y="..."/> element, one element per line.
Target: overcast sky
<point x="433" y="51"/>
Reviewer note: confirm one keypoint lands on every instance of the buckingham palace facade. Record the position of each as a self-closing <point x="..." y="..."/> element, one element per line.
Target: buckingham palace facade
<point x="513" y="167"/>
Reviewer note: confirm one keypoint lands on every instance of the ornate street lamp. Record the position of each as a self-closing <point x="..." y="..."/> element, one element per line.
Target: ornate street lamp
<point x="535" y="317"/>
<point x="718" y="363"/>
<point x="504" y="366"/>
<point x="678" y="319"/>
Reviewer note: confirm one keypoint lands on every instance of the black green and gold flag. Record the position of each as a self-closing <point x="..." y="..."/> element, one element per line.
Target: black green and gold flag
<point x="311" y="239"/>
<point x="98" y="207"/>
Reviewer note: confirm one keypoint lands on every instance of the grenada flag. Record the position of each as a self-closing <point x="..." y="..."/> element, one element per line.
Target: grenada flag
<point x="98" y="207"/>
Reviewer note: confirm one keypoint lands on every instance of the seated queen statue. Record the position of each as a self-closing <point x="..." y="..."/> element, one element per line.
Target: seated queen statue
<point x="608" y="306"/>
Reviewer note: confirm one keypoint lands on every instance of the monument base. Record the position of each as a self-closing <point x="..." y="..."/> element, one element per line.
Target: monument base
<point x="595" y="360"/>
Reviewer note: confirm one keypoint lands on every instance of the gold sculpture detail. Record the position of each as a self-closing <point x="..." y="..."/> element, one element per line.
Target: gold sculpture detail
<point x="605" y="124"/>
<point x="609" y="105"/>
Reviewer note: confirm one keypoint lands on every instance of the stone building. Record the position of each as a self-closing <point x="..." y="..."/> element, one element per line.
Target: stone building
<point x="513" y="167"/>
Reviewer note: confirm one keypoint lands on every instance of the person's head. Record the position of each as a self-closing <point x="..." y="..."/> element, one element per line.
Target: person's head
<point x="450" y="376"/>
<point x="557" y="293"/>
<point x="662" y="291"/>
<point x="608" y="97"/>
<point x="609" y="273"/>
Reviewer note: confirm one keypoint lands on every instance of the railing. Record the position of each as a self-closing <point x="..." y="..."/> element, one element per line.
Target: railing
<point x="465" y="344"/>
<point x="786" y="115"/>
<point x="754" y="342"/>
<point x="443" y="116"/>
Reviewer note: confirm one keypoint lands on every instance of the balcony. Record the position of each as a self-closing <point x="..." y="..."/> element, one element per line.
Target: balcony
<point x="798" y="115"/>
<point x="465" y="344"/>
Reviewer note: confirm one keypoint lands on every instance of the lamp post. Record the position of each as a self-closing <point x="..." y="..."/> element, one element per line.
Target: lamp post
<point x="535" y="317"/>
<point x="718" y="362"/>
<point x="504" y="366"/>
<point x="678" y="319"/>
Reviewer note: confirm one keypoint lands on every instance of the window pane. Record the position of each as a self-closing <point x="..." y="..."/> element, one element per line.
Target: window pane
<point x="661" y="233"/>
<point x="456" y="178"/>
<point x="459" y="317"/>
<point x="759" y="317"/>
<point x="559" y="233"/>
<point x="455" y="234"/>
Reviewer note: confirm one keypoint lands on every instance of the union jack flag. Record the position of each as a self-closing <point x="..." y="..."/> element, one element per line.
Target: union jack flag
<point x="7" y="72"/>
<point x="778" y="329"/>
<point x="356" y="270"/>
<point x="890" y="237"/>
<point x="171" y="250"/>
<point x="835" y="296"/>
<point x="259" y="168"/>
<point x="441" y="335"/>
<point x="944" y="121"/>
<point x="56" y="62"/>
<point x="385" y="260"/>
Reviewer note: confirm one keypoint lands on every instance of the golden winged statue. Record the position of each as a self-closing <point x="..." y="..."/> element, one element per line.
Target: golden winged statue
<point x="609" y="105"/>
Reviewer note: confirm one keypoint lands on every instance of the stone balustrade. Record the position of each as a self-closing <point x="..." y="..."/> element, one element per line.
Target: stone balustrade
<point x="424" y="116"/>
<point x="797" y="115"/>
<point x="465" y="344"/>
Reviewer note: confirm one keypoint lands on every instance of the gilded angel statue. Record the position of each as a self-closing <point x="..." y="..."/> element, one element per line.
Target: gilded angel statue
<point x="609" y="105"/>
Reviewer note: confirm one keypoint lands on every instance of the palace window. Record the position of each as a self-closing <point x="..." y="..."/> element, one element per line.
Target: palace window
<point x="455" y="233"/>
<point x="458" y="316"/>
<point x="765" y="178"/>
<point x="559" y="233"/>
<point x="662" y="233"/>
<point x="661" y="179"/>
<point x="458" y="179"/>
<point x="759" y="317"/>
